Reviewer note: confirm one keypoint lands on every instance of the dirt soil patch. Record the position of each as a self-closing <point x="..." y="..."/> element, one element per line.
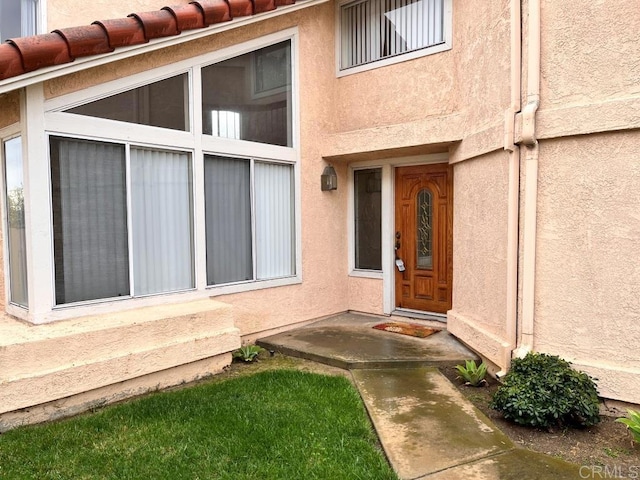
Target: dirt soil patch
<point x="606" y="447"/>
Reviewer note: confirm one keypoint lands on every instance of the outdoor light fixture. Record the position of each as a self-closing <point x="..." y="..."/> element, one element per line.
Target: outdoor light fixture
<point x="328" y="179"/>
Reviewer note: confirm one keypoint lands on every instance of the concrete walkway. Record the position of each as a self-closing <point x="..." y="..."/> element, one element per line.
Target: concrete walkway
<point x="427" y="428"/>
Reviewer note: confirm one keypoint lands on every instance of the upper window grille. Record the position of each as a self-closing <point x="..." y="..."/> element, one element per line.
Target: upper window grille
<point x="373" y="30"/>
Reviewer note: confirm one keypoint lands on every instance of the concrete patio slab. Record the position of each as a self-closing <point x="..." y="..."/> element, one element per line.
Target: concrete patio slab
<point x="424" y="423"/>
<point x="349" y="341"/>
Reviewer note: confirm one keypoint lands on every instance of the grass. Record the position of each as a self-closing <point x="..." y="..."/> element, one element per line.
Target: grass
<point x="279" y="424"/>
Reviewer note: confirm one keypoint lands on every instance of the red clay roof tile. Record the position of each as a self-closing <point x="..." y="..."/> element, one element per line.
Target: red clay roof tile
<point x="123" y="32"/>
<point x="260" y="6"/>
<point x="41" y="51"/>
<point x="216" y="11"/>
<point x="240" y="8"/>
<point x="25" y="54"/>
<point x="188" y="17"/>
<point x="85" y="41"/>
<point x="157" y="24"/>
<point x="10" y="61"/>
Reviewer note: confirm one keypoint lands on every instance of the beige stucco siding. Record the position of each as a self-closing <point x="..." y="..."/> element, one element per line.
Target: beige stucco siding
<point x="72" y="13"/>
<point x="588" y="255"/>
<point x="10" y="111"/>
<point x="589" y="61"/>
<point x="479" y="308"/>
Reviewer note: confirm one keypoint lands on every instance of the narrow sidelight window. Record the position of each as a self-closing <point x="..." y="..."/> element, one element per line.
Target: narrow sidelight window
<point x="16" y="237"/>
<point x="368" y="218"/>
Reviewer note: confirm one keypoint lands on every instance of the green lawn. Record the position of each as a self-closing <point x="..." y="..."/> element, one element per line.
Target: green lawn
<point x="279" y="424"/>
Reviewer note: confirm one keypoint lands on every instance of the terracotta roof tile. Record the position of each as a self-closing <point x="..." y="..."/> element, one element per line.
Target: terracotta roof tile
<point x="41" y="51"/>
<point x="10" y="61"/>
<point x="215" y="11"/>
<point x="123" y="32"/>
<point x="188" y="17"/>
<point x="240" y="8"/>
<point x="260" y="6"/>
<point x="160" y="23"/>
<point x="85" y="41"/>
<point x="25" y="54"/>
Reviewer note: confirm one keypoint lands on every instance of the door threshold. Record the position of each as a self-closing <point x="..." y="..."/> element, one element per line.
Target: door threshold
<point x="420" y="315"/>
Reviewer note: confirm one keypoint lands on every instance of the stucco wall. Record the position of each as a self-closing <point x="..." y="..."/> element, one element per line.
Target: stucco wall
<point x="478" y="315"/>
<point x="72" y="13"/>
<point x="10" y="111"/>
<point x="366" y="295"/>
<point x="440" y="84"/>
<point x="588" y="269"/>
<point x="584" y="60"/>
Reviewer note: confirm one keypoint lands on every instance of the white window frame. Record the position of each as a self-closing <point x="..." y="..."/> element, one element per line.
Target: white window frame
<point x="47" y="118"/>
<point x="447" y="25"/>
<point x="6" y="134"/>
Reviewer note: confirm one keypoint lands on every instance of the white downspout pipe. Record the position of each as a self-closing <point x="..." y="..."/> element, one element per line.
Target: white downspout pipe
<point x="513" y="208"/>
<point x="531" y="155"/>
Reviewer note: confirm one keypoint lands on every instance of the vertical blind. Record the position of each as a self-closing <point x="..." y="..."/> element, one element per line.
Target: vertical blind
<point x="228" y="219"/>
<point x="275" y="247"/>
<point x="375" y="29"/>
<point x="89" y="220"/>
<point x="161" y="223"/>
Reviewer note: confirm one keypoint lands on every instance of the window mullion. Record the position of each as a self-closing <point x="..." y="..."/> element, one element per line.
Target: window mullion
<point x="129" y="218"/>
<point x="254" y="250"/>
<point x="200" y="241"/>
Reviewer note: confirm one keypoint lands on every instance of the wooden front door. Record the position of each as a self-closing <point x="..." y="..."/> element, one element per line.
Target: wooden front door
<point x="423" y="237"/>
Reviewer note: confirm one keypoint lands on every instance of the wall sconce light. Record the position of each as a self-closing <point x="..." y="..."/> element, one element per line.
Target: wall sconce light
<point x="328" y="179"/>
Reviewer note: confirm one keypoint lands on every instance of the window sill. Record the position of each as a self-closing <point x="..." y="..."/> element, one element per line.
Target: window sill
<point x="366" y="274"/>
<point x="441" y="47"/>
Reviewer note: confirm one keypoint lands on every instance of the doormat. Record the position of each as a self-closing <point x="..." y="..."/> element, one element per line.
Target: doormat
<point x="410" y="329"/>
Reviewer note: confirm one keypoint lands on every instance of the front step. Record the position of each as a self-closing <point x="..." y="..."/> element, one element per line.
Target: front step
<point x="349" y="341"/>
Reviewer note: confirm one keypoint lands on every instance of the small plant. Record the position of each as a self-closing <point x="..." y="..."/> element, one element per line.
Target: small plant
<point x="544" y="391"/>
<point x="632" y="423"/>
<point x="248" y="353"/>
<point x="473" y="375"/>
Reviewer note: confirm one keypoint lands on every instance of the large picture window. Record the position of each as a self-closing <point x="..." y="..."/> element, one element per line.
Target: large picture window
<point x="147" y="207"/>
<point x="90" y="220"/>
<point x="235" y="223"/>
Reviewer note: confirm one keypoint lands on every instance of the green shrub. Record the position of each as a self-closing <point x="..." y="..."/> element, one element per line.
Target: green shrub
<point x="543" y="390"/>
<point x="632" y="423"/>
<point x="473" y="375"/>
